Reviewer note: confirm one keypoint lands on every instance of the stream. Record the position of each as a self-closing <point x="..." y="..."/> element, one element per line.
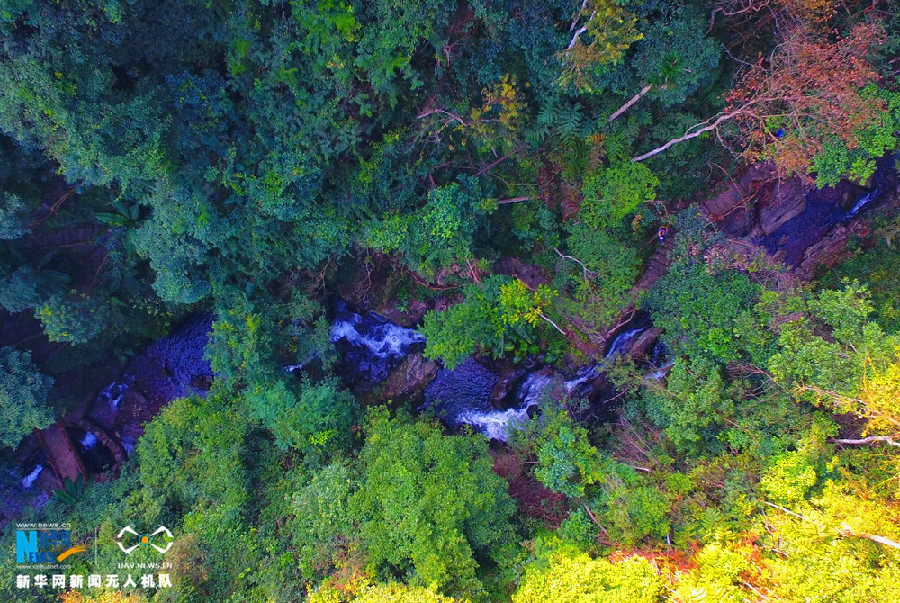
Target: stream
<point x="371" y="348"/>
<point x="824" y="210"/>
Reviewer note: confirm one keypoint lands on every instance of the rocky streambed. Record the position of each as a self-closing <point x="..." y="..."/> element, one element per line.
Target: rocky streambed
<point x="382" y="361"/>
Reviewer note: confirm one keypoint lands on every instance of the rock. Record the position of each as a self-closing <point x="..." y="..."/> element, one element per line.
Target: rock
<point x="506" y="386"/>
<point x="831" y="250"/>
<point x="644" y="342"/>
<point x="410" y="317"/>
<point x="786" y="201"/>
<point x="590" y="384"/>
<point x="729" y="206"/>
<point x="64" y="461"/>
<point x="445" y="301"/>
<point x="165" y="370"/>
<point x="464" y="389"/>
<point x="527" y="273"/>
<point x="409" y="380"/>
<point x="847" y="201"/>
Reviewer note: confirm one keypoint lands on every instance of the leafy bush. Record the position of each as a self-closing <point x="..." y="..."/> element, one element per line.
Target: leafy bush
<point x="23" y="396"/>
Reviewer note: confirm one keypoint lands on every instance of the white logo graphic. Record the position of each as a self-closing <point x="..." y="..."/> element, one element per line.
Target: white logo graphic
<point x="144" y="539"/>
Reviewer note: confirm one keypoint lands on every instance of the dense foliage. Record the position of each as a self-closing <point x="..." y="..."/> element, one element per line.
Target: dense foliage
<point x="528" y="175"/>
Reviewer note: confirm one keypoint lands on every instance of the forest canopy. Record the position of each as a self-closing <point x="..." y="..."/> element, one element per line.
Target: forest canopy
<point x="520" y="182"/>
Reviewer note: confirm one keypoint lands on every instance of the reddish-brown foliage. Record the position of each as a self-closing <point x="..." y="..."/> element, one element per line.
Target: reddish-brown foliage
<point x="811" y="87"/>
<point x="531" y="497"/>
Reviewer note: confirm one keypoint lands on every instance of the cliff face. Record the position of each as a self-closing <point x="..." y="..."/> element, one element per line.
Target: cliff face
<point x="798" y="225"/>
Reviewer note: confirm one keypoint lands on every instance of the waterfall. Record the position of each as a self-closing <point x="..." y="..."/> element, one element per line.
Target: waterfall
<point x="496" y="424"/>
<point x="112" y="394"/>
<point x="372" y="346"/>
<point x="623" y="341"/>
<point x="29" y="479"/>
<point x="88" y="441"/>
<point x="574" y="387"/>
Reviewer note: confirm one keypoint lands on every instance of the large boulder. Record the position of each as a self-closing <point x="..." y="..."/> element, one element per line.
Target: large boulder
<point x="408" y="316"/>
<point x="786" y="201"/>
<point x="408" y="381"/>
<point x="731" y="206"/>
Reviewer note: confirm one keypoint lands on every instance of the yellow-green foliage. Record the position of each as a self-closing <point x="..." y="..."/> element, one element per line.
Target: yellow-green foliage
<point x="382" y="593"/>
<point x="608" y="30"/>
<point x="820" y="553"/>
<point x="715" y="578"/>
<point x="580" y="579"/>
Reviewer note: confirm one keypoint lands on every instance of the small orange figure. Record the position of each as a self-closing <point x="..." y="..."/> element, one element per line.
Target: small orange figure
<point x="661" y="233"/>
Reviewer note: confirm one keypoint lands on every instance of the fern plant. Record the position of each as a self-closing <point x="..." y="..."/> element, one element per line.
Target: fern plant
<point x="72" y="491"/>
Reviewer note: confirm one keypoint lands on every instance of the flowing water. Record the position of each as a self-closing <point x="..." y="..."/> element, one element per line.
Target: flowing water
<point x="88" y="441"/>
<point x="462" y="396"/>
<point x="823" y="212"/>
<point x="622" y="343"/>
<point x="113" y="393"/>
<point x="496" y="424"/>
<point x="371" y="345"/>
<point x="29" y="479"/>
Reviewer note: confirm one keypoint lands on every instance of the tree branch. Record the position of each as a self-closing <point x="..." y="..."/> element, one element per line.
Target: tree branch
<point x="780" y="508"/>
<point x="555" y="326"/>
<point x="848" y="531"/>
<point x="493" y="164"/>
<point x="574" y="259"/>
<point x="629" y="104"/>
<point x="580" y="30"/>
<point x="688" y="135"/>
<point x="515" y="200"/>
<point x="869" y="440"/>
<point x="428" y="112"/>
<point x="578" y="15"/>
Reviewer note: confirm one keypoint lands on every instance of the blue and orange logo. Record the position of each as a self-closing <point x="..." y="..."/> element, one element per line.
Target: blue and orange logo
<point x="45" y="546"/>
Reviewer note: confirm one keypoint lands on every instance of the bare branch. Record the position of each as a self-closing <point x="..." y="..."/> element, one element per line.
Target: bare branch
<point x="636" y="468"/>
<point x="848" y="531"/>
<point x="428" y="112"/>
<point x="780" y="508"/>
<point x="577" y="16"/>
<point x="691" y="133"/>
<point x="868" y="440"/>
<point x="629" y="104"/>
<point x="515" y="200"/>
<point x="493" y="164"/>
<point x="574" y="41"/>
<point x="580" y="31"/>
<point x="555" y="326"/>
<point x="587" y="272"/>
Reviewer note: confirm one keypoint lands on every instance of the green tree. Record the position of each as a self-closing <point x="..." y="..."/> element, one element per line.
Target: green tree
<point x="856" y="369"/>
<point x="73" y="319"/>
<point x="23" y="396"/>
<point x="598" y="274"/>
<point x="497" y="316"/>
<point x="429" y="505"/>
<point x="316" y="421"/>
<point x="12" y="225"/>
<point x="703" y="310"/>
<point x="382" y="593"/>
<point x="567" y="463"/>
<point x="322" y="526"/>
<point x="615" y="192"/>
<point x="609" y="29"/>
